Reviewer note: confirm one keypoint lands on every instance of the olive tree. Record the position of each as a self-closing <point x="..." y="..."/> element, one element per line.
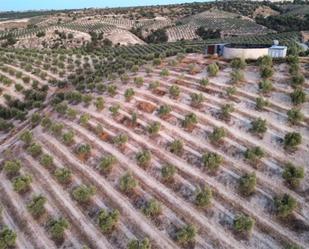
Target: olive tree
<point x="127" y="183"/>
<point x="152" y="208"/>
<point x="108" y="220"/>
<point x="83" y="193"/>
<point x="293" y="175"/>
<point x="247" y="184"/>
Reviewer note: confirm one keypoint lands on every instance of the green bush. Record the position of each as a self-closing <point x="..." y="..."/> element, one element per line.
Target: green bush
<point x="247" y="184"/>
<point x="47" y="160"/>
<point x="226" y="110"/>
<point x="217" y="135"/>
<point x="57" y="228"/>
<point x="12" y="168"/>
<point x="99" y="103"/>
<point x="174" y="91"/>
<point x="63" y="175"/>
<point x="298" y="96"/>
<point x="190" y="121"/>
<point x="237" y="76"/>
<point x="154" y="128"/>
<point x="295" y="116"/>
<point x="261" y="103"/>
<point x="139" y="81"/>
<point x="137" y="244"/>
<point x="238" y="63"/>
<point x="203" y="197"/>
<point x="254" y="154"/>
<point x="36" y="205"/>
<point x="285" y="205"/>
<point x="84" y="119"/>
<point x="297" y="80"/>
<point x="129" y="93"/>
<point x="143" y="158"/>
<point x="34" y="150"/>
<point x="68" y="137"/>
<point x="7" y="238"/>
<point x="204" y="82"/>
<point x="196" y="99"/>
<point x="83" y="193"/>
<point x="258" y="126"/>
<point x="186" y="234"/>
<point x="212" y="161"/>
<point x="243" y="224"/>
<point x="152" y="208"/>
<point x="212" y="69"/>
<point x="106" y="163"/>
<point x="265" y="86"/>
<point x="114" y="109"/>
<point x="164" y="110"/>
<point x="293" y="175"/>
<point x="266" y="72"/>
<point x="176" y="147"/>
<point x="26" y="137"/>
<point x="112" y="90"/>
<point x="120" y="139"/>
<point x="108" y="220"/>
<point x="46" y="123"/>
<point x="56" y="129"/>
<point x="292" y="140"/>
<point x="127" y="183"/>
<point x="168" y="171"/>
<point x="21" y="183"/>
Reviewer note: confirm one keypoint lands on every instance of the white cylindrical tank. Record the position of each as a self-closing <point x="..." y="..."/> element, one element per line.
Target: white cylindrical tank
<point x="246" y="51"/>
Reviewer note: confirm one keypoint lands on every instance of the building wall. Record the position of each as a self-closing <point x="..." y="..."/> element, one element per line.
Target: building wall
<point x="246" y="53"/>
<point x="277" y="53"/>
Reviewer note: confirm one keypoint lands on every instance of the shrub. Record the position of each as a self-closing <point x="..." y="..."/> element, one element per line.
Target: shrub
<point x="99" y="103"/>
<point x="129" y="93"/>
<point x="174" y="91"/>
<point x="58" y="227"/>
<point x="83" y="150"/>
<point x="112" y="90"/>
<point x="56" y="129"/>
<point x="176" y="147"/>
<point x="212" y="69"/>
<point x="298" y="80"/>
<point x="212" y="161"/>
<point x="203" y="197"/>
<point x="243" y="224"/>
<point x="84" y="119"/>
<point x="127" y="183"/>
<point x="247" y="184"/>
<point x="230" y="91"/>
<point x="168" y="171"/>
<point x="36" y="205"/>
<point x="189" y="121"/>
<point x="217" y="135"/>
<point x="138" y="81"/>
<point x="108" y="220"/>
<point x="47" y="160"/>
<point x="7" y="238"/>
<point x="120" y="140"/>
<point x="285" y="205"/>
<point x="87" y="99"/>
<point x="114" y="109"/>
<point x="21" y="183"/>
<point x="63" y="175"/>
<point x="226" y="110"/>
<point x="68" y="137"/>
<point x="152" y="208"/>
<point x="137" y="244"/>
<point x="266" y="72"/>
<point x="196" y="99"/>
<point x="238" y="63"/>
<point x="46" y="123"/>
<point x="143" y="158"/>
<point x="154" y="128"/>
<point x="186" y="234"/>
<point x="265" y="61"/>
<point x="292" y="140"/>
<point x="83" y="193"/>
<point x="106" y="163"/>
<point x="237" y="76"/>
<point x="35" y="119"/>
<point x="254" y="154"/>
<point x="12" y="168"/>
<point x="258" y="126"/>
<point x="154" y="85"/>
<point x="293" y="175"/>
<point x="204" y="82"/>
<point x="298" y="96"/>
<point x="61" y="108"/>
<point x="295" y="116"/>
<point x="265" y="86"/>
<point x="164" y="72"/>
<point x="34" y="150"/>
<point x="261" y="103"/>
<point x="26" y="137"/>
<point x="164" y="110"/>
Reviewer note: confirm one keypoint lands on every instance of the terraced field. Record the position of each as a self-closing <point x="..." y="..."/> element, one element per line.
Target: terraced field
<point x="165" y="157"/>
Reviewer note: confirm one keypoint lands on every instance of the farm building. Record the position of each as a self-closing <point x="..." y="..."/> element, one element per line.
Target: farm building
<point x="246" y="51"/>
